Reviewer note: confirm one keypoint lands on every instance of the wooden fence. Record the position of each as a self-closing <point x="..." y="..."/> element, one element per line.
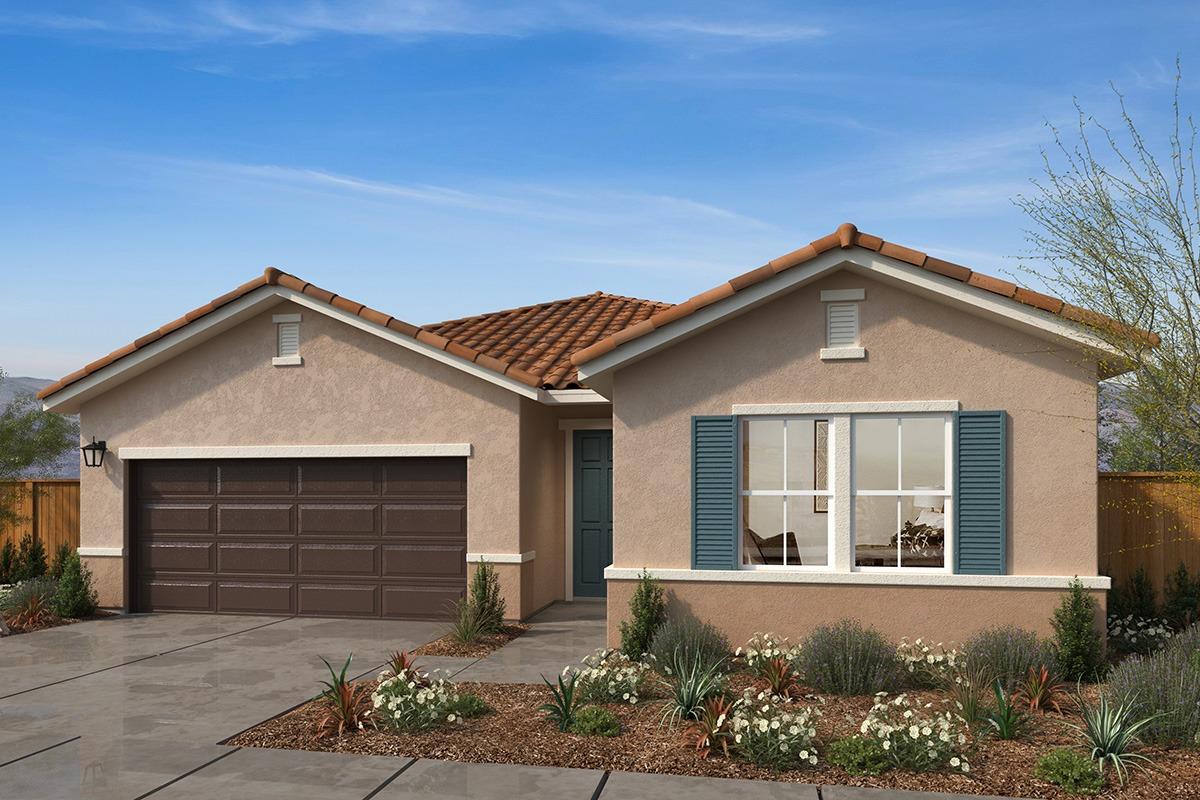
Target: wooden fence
<point x="49" y="509"/>
<point x="1149" y="520"/>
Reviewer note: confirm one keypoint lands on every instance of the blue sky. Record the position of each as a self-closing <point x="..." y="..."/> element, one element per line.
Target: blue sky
<point x="440" y="159"/>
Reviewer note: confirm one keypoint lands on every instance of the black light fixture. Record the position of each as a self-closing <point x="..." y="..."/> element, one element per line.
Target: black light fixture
<point x="93" y="454"/>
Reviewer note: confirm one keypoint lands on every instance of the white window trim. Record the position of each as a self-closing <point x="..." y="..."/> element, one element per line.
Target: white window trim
<point x="802" y="409"/>
<point x="569" y="426"/>
<point x="287" y="361"/>
<point x="298" y="451"/>
<point x="842" y="353"/>
<point x="893" y="578"/>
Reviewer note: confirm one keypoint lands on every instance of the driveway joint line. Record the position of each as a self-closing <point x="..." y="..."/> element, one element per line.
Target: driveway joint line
<point x="224" y="636"/>
<point x="37" y="752"/>
<point x="600" y="786"/>
<point x="393" y="777"/>
<point x="186" y="774"/>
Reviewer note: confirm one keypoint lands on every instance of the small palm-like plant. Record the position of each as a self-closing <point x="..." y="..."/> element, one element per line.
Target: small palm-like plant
<point x="347" y="705"/>
<point x="695" y="682"/>
<point x="403" y="665"/>
<point x="1110" y="731"/>
<point x="564" y="701"/>
<point x="1040" y="691"/>
<point x="1007" y="720"/>
<point x="711" y="730"/>
<point x="779" y="676"/>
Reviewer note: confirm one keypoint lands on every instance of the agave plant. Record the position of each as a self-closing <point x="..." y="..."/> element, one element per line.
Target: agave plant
<point x="1040" y="690"/>
<point x="403" y="665"/>
<point x="347" y="705"/>
<point x="695" y="682"/>
<point x="779" y="676"/>
<point x="711" y="729"/>
<point x="564" y="700"/>
<point x="1110" y="731"/>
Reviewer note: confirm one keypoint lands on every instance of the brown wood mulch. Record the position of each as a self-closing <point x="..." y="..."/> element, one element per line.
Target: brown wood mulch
<point x="488" y="643"/>
<point x="516" y="733"/>
<point x="56" y="622"/>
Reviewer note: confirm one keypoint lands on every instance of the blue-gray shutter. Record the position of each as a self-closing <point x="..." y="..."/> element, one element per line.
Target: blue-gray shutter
<point x="980" y="492"/>
<point x="714" y="493"/>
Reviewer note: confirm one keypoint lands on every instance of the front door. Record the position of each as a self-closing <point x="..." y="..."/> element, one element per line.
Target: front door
<point x="593" y="511"/>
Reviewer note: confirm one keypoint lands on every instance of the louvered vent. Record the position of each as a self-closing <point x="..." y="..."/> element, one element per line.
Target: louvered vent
<point x="842" y="324"/>
<point x="289" y="339"/>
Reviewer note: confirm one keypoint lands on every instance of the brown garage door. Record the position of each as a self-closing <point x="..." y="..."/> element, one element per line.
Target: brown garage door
<point x="317" y="537"/>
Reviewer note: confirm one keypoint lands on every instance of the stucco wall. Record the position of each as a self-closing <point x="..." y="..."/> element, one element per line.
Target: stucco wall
<point x="918" y="349"/>
<point x="542" y="509"/>
<point x="354" y="388"/>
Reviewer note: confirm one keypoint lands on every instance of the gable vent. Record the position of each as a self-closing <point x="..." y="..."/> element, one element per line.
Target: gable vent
<point x="842" y="328"/>
<point x="287" y="348"/>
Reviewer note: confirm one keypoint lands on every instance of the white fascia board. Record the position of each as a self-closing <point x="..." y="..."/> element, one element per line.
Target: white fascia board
<point x="834" y="409"/>
<point x="502" y="558"/>
<point x="938" y="579"/>
<point x="597" y="372"/>
<point x="297" y="451"/>
<point x="565" y="397"/>
<point x="68" y="399"/>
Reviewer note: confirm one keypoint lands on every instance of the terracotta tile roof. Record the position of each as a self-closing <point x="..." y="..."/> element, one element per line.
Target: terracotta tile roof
<point x="273" y="277"/>
<point x="846" y="236"/>
<point x="541" y="338"/>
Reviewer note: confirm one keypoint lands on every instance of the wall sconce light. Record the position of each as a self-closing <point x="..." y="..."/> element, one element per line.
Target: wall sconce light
<point x="93" y="454"/>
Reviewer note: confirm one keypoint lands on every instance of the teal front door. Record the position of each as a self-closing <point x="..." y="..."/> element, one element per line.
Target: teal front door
<point x="593" y="511"/>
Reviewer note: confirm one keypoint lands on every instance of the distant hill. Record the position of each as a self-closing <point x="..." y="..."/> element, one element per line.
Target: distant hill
<point x="10" y="387"/>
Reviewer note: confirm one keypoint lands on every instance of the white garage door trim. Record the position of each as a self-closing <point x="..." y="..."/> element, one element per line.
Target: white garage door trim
<point x="298" y="451"/>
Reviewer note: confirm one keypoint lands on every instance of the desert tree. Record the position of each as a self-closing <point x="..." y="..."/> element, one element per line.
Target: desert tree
<point x="31" y="441"/>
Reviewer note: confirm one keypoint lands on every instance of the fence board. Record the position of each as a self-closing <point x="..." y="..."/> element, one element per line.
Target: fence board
<point x="1149" y="520"/>
<point x="49" y="510"/>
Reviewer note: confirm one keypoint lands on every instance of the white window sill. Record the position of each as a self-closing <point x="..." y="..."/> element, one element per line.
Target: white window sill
<point x="860" y="578"/>
<point x="842" y="353"/>
<point x="287" y="361"/>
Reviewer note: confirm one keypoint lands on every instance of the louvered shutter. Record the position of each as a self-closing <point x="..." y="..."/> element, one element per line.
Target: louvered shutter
<point x="289" y="339"/>
<point x="842" y="320"/>
<point x="980" y="492"/>
<point x="714" y="493"/>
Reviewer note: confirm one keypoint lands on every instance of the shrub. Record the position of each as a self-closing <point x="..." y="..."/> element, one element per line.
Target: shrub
<point x="61" y="554"/>
<point x="1110" y="732"/>
<point x="967" y="687"/>
<point x="408" y="705"/>
<point x="1007" y="719"/>
<point x="564" y="702"/>
<point x="30" y="604"/>
<point x="30" y="561"/>
<point x="1165" y="686"/>
<point x="764" y="647"/>
<point x="695" y="683"/>
<point x="915" y="737"/>
<point x="76" y="597"/>
<point x="773" y="733"/>
<point x="609" y="676"/>
<point x="1139" y="635"/>
<point x="347" y="705"/>
<point x="468" y="705"/>
<point x="713" y="726"/>
<point x="467" y="626"/>
<point x="1134" y="598"/>
<point x="647" y="612"/>
<point x="847" y="659"/>
<point x="859" y="755"/>
<point x="680" y="641"/>
<point x="1181" y="598"/>
<point x="8" y="559"/>
<point x="1040" y="690"/>
<point x="1006" y="652"/>
<point x="1078" y="651"/>
<point x="1071" y="770"/>
<point x="595" y="721"/>
<point x="484" y="595"/>
<point x="926" y="666"/>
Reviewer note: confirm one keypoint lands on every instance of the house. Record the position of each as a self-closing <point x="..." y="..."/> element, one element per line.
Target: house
<point x="854" y="429"/>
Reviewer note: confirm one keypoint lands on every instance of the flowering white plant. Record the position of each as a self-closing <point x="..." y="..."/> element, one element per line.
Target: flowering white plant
<point x="410" y="705"/>
<point x="610" y="676"/>
<point x="1133" y="634"/>
<point x="916" y="736"/>
<point x="774" y="732"/>
<point x="927" y="664"/>
<point x="766" y="646"/>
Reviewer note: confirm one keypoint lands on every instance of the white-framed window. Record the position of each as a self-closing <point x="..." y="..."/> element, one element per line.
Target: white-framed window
<point x="786" y="496"/>
<point x="901" y="489"/>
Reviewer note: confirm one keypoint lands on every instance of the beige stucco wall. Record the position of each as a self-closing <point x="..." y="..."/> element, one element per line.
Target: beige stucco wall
<point x="542" y="526"/>
<point x="354" y="388"/>
<point x="918" y="349"/>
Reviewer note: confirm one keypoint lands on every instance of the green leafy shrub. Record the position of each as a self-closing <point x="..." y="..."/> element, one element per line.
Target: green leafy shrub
<point x="61" y="554"/>
<point x="596" y="721"/>
<point x="564" y="700"/>
<point x="30" y="561"/>
<point x="8" y="559"/>
<point x="1110" y="733"/>
<point x="468" y="705"/>
<point x="774" y="733"/>
<point x="681" y="641"/>
<point x="1007" y="719"/>
<point x="1137" y="634"/>
<point x="927" y="665"/>
<point x="1078" y="651"/>
<point x="764" y="647"/>
<point x="916" y="737"/>
<point x="694" y="683"/>
<point x="1134" y="598"/>
<point x="409" y="705"/>
<point x="846" y="658"/>
<point x="1181" y="598"/>
<point x="1165" y="686"/>
<point x="1008" y="653"/>
<point x="484" y="595"/>
<point x="610" y="676"/>
<point x="647" y="612"/>
<point x="859" y="755"/>
<point x="1071" y="770"/>
<point x="75" y="597"/>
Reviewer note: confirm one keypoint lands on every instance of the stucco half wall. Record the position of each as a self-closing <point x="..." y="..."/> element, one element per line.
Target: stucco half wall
<point x="353" y="388"/>
<point x="918" y="349"/>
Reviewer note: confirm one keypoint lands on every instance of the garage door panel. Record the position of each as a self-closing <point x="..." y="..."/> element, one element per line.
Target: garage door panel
<point x="420" y="602"/>
<point x="177" y="478"/>
<point x="255" y="598"/>
<point x="339" y="477"/>
<point x="333" y="600"/>
<point x="420" y="519"/>
<point x="178" y="595"/>
<point x="339" y="560"/>
<point x="338" y="520"/>
<point x="425" y="476"/>
<point x="178" y="556"/>
<point x="260" y="519"/>
<point x="251" y="478"/>
<point x="176" y="518"/>
<point x="256" y="558"/>
<point x="425" y="560"/>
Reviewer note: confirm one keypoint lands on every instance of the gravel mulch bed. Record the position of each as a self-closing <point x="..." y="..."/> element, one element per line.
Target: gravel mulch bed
<point x="449" y="646"/>
<point x="516" y="733"/>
